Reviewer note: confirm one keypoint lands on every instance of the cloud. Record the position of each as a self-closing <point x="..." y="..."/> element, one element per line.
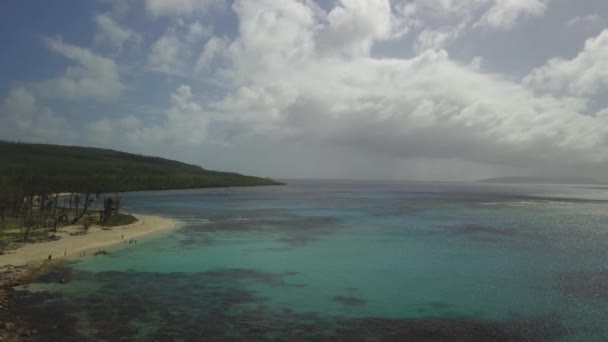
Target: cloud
<point x="181" y="7"/>
<point x="23" y="113"/>
<point x="165" y="54"/>
<point x="476" y="63"/>
<point x="504" y="14"/>
<point x="437" y="39"/>
<point x="441" y="22"/>
<point x="584" y="75"/>
<point x="185" y="122"/>
<point x="22" y="117"/>
<point x="111" y="34"/>
<point x="197" y="31"/>
<point x="428" y="106"/>
<point x="587" y="22"/>
<point x="300" y="74"/>
<point x="214" y="48"/>
<point x="106" y="132"/>
<point x="172" y="52"/>
<point x="353" y="25"/>
<point x="93" y="77"/>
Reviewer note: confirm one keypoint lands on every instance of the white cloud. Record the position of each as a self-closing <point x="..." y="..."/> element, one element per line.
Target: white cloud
<point x="186" y="120"/>
<point x="184" y="123"/>
<point x="504" y="14"/>
<point x="165" y="54"/>
<point x="93" y="77"/>
<point x="284" y="81"/>
<point x="22" y="116"/>
<point x="353" y="25"/>
<point x="214" y="48"/>
<point x="106" y="132"/>
<point x="111" y="34"/>
<point x="476" y="63"/>
<point x="437" y="39"/>
<point x="197" y="31"/>
<point x="172" y="52"/>
<point x="441" y="22"/>
<point x="584" y="75"/>
<point x="587" y="22"/>
<point x="424" y="107"/>
<point x="181" y="7"/>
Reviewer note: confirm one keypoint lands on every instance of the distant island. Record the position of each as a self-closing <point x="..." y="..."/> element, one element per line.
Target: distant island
<point x="539" y="180"/>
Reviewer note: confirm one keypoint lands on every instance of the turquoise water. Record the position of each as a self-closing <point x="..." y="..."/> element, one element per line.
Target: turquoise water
<point x="346" y="261"/>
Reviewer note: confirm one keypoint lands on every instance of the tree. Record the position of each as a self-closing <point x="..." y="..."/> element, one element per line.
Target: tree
<point x="88" y="201"/>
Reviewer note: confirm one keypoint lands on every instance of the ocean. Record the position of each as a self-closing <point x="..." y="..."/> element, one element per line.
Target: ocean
<point x="342" y="260"/>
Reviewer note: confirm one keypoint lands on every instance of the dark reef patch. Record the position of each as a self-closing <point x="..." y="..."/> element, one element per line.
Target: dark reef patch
<point x="296" y="231"/>
<point x="349" y="300"/>
<point x="439" y="329"/>
<point x="44" y="312"/>
<point x="61" y="271"/>
<point x="240" y="274"/>
<point x="216" y="305"/>
<point x="476" y="229"/>
<point x="440" y="305"/>
<point x="487" y="234"/>
<point x="591" y="285"/>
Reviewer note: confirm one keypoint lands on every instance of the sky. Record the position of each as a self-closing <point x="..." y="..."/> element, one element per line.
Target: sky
<point x="356" y="89"/>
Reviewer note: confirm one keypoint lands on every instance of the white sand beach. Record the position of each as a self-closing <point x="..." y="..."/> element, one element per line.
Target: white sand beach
<point x="97" y="238"/>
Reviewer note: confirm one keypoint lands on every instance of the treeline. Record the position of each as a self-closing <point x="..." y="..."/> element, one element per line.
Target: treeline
<point x="34" y="206"/>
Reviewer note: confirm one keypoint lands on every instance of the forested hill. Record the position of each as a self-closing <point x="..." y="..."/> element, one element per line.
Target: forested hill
<point x="55" y="168"/>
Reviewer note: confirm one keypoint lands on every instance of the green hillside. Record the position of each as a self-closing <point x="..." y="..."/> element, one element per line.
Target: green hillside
<point x="54" y="168"/>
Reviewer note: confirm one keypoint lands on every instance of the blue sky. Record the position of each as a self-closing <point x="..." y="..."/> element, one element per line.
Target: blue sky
<point x="375" y="89"/>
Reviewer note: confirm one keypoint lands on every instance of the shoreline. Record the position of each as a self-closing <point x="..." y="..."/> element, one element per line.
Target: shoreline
<point x="73" y="246"/>
<point x="25" y="263"/>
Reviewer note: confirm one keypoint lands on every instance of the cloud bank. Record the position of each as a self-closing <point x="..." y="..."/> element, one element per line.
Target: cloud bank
<point x="302" y="73"/>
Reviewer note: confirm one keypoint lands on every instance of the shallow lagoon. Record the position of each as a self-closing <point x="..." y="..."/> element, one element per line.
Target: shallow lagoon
<point x="342" y="260"/>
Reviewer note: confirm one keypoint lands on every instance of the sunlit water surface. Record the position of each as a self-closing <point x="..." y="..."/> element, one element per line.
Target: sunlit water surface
<point x="342" y="260"/>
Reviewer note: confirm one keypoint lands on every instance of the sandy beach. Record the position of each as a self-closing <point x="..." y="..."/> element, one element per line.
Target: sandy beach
<point x="97" y="238"/>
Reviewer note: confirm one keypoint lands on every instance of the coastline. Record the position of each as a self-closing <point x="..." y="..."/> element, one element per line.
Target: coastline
<point x="22" y="265"/>
<point x="97" y="238"/>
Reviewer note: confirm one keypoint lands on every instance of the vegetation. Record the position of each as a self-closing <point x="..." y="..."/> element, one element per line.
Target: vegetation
<point x="119" y="220"/>
<point x="44" y="187"/>
<point x="81" y="169"/>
